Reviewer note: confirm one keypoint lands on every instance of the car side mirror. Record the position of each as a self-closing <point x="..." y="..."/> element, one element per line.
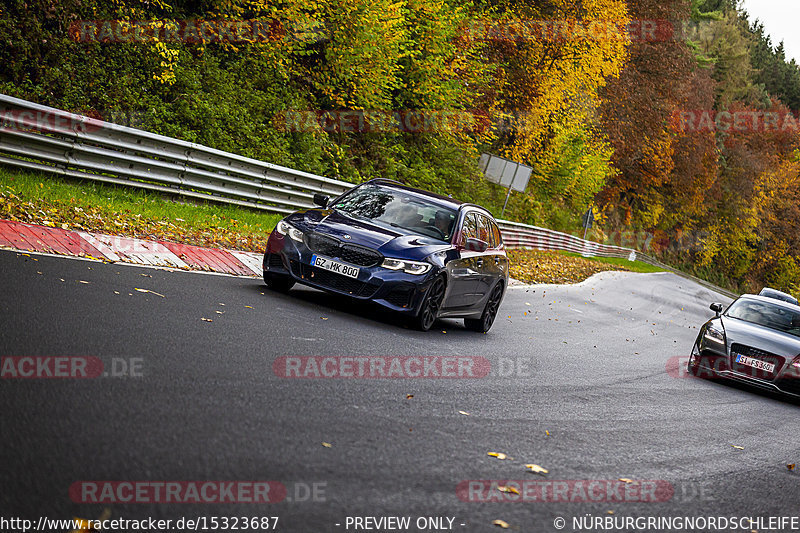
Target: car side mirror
<point x="321" y="199"/>
<point x="476" y="245"/>
<point x="717" y="308"/>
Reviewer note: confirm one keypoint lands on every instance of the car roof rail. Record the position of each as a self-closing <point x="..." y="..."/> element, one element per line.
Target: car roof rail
<point x="474" y="206"/>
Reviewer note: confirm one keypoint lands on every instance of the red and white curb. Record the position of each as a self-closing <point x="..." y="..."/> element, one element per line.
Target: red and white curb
<point x="43" y="239"/>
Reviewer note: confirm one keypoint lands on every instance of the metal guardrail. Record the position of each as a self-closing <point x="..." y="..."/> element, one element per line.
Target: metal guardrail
<point x="516" y="235"/>
<point x="45" y="139"/>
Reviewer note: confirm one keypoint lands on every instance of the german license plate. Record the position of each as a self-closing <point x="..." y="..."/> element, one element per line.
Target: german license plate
<point x="334" y="266"/>
<point x="755" y="363"/>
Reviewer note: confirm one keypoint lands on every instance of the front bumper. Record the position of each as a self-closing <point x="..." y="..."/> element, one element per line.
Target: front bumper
<point x="713" y="361"/>
<point x="395" y="290"/>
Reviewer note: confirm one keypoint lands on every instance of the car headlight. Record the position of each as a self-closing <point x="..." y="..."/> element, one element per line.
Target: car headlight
<point x="715" y="335"/>
<point x="793" y="370"/>
<point x="284" y="228"/>
<point x="409" y="267"/>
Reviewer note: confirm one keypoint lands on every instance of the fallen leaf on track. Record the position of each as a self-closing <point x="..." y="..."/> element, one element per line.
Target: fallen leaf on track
<point x="500" y="523"/>
<point x="327" y="444"/>
<point x="625" y="480"/>
<point x="206" y="320"/>
<point x="737" y="447"/>
<point x="149" y="291"/>
<point x="791" y="466"/>
<point x="499" y="455"/>
<point x="463" y="413"/>
<point x="509" y="490"/>
<point x="536" y="469"/>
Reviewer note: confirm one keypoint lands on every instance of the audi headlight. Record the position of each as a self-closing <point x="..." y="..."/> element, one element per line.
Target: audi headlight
<point x="284" y="228"/>
<point x="409" y="267"/>
<point x="793" y="370"/>
<point x="715" y="335"/>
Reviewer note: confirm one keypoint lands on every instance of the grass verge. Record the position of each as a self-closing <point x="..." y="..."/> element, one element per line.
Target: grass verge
<point x="536" y="266"/>
<point x="129" y="212"/>
<point x="622" y="264"/>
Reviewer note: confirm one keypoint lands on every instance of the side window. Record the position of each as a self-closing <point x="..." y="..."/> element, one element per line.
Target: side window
<point x="485" y="230"/>
<point x="470" y="230"/>
<point x="498" y="239"/>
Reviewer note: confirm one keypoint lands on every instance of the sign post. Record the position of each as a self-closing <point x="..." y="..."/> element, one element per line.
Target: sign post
<point x="588" y="220"/>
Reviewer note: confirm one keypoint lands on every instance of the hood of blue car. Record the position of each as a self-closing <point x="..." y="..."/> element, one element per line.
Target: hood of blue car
<point x="391" y="242"/>
<point x="774" y="341"/>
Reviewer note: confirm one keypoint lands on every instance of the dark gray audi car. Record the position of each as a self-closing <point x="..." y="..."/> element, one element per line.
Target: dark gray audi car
<point x="420" y="254"/>
<point x="756" y="339"/>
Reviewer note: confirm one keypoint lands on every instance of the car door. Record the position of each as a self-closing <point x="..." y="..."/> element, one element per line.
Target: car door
<point x="499" y="255"/>
<point x="487" y="263"/>
<point x="463" y="271"/>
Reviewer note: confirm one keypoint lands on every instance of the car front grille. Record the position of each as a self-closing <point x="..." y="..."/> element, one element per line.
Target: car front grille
<point x="761" y="355"/>
<point x="349" y="253"/>
<point x="357" y="255"/>
<point x="331" y="280"/>
<point x="322" y="244"/>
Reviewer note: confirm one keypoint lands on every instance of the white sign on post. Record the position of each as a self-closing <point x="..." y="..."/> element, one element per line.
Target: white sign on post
<point x="505" y="172"/>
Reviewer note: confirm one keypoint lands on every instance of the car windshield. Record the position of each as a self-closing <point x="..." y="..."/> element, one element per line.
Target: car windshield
<point x="399" y="209"/>
<point x="766" y="314"/>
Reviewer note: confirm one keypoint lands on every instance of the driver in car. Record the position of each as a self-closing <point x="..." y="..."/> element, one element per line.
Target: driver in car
<point x="443" y="222"/>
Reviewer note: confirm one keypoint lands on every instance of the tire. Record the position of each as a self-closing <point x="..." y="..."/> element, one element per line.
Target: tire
<point x="278" y="282"/>
<point x="430" y="306"/>
<point x="484" y="323"/>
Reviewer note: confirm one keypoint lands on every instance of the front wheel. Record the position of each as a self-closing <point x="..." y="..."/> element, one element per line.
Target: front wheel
<point x="484" y="323"/>
<point x="431" y="304"/>
<point x="278" y="282"/>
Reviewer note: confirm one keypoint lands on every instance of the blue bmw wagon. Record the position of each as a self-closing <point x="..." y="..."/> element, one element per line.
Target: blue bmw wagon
<point x="420" y="254"/>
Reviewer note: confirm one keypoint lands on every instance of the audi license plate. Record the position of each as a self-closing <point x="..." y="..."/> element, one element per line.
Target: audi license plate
<point x="334" y="266"/>
<point x="755" y="363"/>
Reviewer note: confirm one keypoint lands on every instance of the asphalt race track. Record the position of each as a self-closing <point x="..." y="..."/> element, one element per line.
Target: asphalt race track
<point x="586" y="381"/>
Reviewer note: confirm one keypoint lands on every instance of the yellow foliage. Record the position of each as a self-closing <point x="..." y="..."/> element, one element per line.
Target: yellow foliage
<point x="547" y="81"/>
